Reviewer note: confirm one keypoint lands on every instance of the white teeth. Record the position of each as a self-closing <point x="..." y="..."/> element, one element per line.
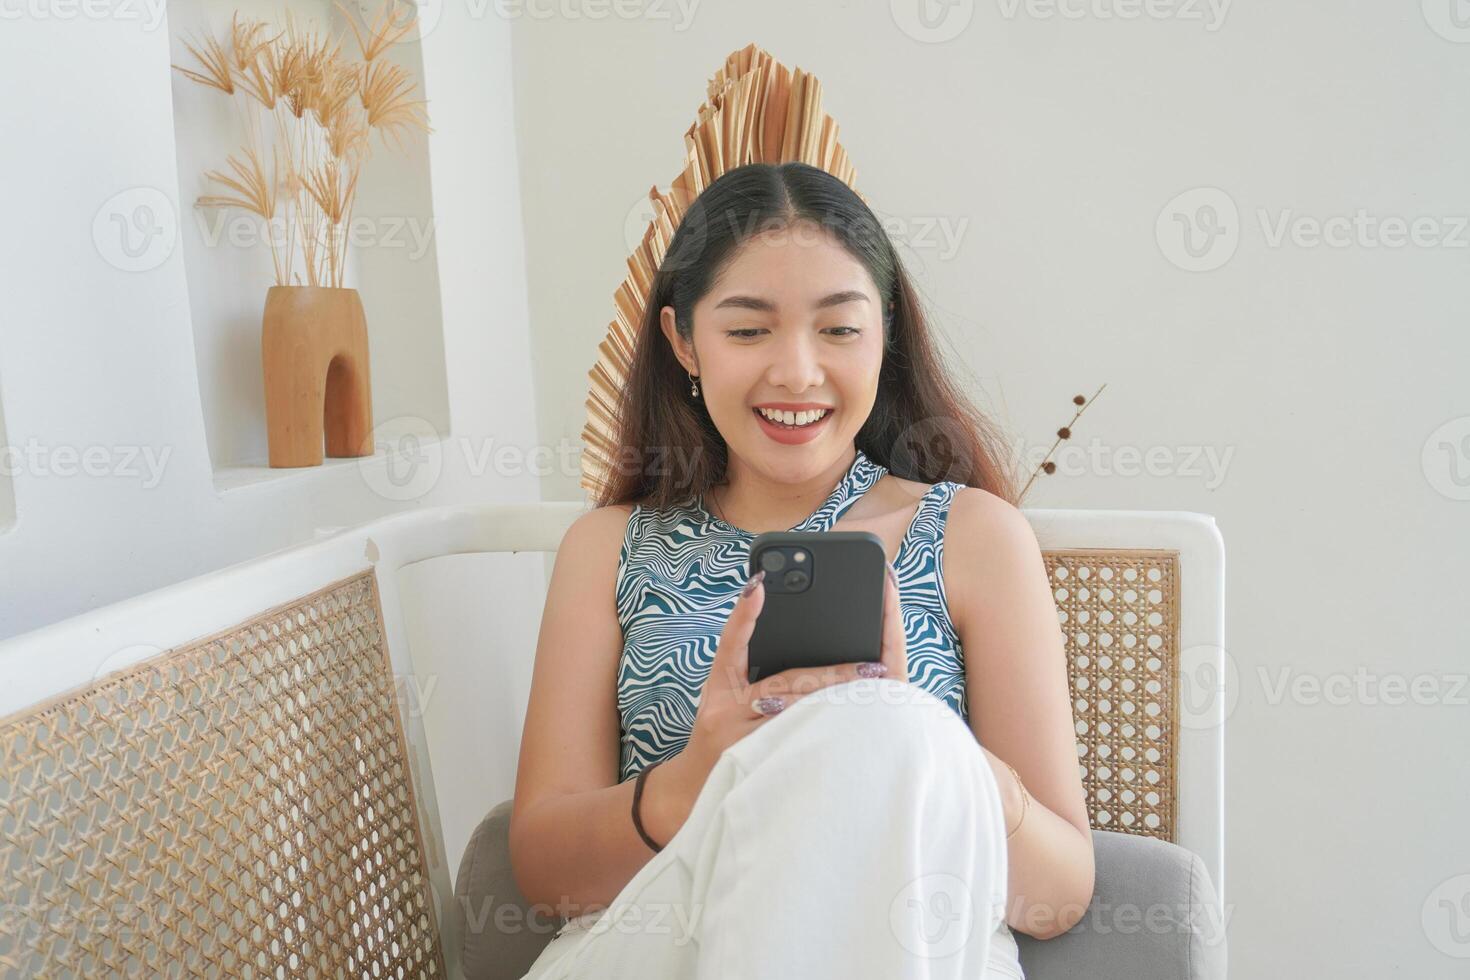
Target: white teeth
<point x="793" y="418"/>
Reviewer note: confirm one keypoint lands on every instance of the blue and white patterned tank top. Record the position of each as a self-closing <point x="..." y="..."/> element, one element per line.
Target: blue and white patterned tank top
<point x="680" y="571"/>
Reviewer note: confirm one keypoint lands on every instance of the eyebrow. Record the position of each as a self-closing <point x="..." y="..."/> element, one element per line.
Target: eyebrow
<point x="766" y="306"/>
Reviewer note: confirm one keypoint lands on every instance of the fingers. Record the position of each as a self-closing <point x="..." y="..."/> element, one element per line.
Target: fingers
<point x="795" y="683"/>
<point x="732" y="654"/>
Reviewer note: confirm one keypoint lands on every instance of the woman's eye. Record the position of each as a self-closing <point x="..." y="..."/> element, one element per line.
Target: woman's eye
<point x="745" y="333"/>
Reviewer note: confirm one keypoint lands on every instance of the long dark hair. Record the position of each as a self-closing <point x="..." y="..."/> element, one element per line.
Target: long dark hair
<point x="921" y="427"/>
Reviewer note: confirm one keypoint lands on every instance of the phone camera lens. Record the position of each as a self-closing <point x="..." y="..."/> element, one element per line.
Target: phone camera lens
<point x="773" y="560"/>
<point x="796" y="580"/>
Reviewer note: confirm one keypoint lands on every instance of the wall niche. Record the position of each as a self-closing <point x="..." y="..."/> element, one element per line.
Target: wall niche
<point x="391" y="256"/>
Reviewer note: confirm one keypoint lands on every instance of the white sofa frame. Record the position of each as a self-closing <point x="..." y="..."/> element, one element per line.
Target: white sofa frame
<point x="39" y="665"/>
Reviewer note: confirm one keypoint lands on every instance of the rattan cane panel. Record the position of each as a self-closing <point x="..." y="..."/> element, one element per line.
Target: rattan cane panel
<point x="1119" y="613"/>
<point x="241" y="806"/>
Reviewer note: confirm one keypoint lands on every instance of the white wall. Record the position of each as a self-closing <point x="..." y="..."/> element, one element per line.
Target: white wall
<point x="1314" y="374"/>
<point x="99" y="363"/>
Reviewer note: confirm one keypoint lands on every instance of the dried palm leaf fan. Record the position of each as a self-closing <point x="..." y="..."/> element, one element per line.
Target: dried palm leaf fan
<point x="759" y="111"/>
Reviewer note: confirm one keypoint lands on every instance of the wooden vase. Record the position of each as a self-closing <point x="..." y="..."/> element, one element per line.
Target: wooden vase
<point x="314" y="349"/>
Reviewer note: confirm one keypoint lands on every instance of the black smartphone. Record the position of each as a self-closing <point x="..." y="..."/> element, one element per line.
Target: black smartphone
<point x="824" y="599"/>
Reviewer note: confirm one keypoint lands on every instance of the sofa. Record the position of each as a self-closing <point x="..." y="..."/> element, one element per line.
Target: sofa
<point x="224" y="777"/>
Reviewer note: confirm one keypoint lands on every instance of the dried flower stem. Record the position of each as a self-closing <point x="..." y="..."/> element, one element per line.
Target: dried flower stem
<point x="1065" y="432"/>
<point x="324" y="109"/>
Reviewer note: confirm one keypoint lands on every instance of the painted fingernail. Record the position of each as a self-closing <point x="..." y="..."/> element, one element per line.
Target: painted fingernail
<point x="892" y="575"/>
<point x="769" y="706"/>
<point x="754" y="581"/>
<point x="872" y="668"/>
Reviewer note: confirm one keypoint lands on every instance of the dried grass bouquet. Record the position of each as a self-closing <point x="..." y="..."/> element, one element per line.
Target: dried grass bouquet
<point x="312" y="113"/>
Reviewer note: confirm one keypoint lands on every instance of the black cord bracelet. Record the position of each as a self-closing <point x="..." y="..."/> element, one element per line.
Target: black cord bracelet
<point x="637" y="796"/>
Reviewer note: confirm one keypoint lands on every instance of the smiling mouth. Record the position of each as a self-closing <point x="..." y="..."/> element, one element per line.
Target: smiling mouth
<point x="811" y="419"/>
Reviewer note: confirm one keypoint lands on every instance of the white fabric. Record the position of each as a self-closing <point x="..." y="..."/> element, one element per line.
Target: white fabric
<point x="858" y="834"/>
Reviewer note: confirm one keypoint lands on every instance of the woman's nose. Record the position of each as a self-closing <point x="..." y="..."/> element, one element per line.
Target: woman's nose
<point x="797" y="366"/>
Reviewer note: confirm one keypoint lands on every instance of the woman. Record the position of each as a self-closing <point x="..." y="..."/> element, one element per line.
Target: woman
<point x="823" y="821"/>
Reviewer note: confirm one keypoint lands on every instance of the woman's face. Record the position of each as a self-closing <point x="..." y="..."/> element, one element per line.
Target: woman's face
<point x="794" y="323"/>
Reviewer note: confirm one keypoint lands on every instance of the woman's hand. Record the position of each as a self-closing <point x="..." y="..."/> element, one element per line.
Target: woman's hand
<point x="730" y="707"/>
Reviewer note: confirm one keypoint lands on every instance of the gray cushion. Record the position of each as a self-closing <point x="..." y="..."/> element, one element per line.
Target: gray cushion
<point x="502" y="935"/>
<point x="1154" y="915"/>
